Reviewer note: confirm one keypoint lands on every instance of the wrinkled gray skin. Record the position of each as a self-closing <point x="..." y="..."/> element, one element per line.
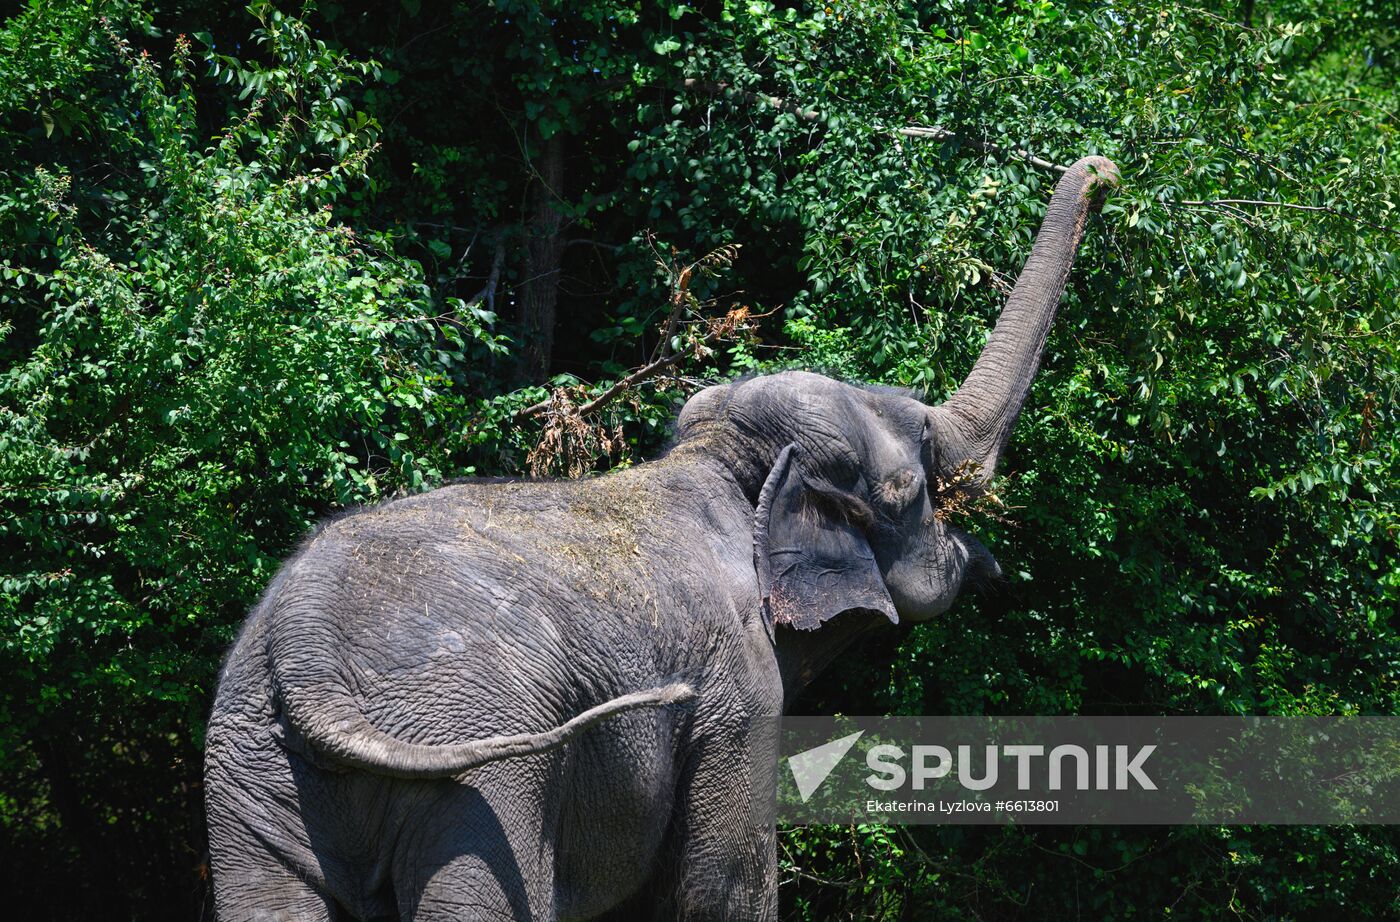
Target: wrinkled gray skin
<point x="534" y="700"/>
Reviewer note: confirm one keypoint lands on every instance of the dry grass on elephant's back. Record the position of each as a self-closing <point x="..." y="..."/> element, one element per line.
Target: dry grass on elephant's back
<point x="608" y="556"/>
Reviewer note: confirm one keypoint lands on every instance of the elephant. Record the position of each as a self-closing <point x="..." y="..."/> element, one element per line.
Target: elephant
<point x="536" y="699"/>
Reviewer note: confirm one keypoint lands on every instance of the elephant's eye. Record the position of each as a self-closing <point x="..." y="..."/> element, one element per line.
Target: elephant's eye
<point x="900" y="489"/>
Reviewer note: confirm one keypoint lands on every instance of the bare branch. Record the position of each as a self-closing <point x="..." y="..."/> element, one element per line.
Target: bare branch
<point x="498" y="262"/>
<point x="641" y="374"/>
<point x="720" y="330"/>
<point x="597" y="244"/>
<point x="447" y="227"/>
<point x="943" y="134"/>
<point x="1232" y="206"/>
<point x="912" y="131"/>
<point x="1248" y="201"/>
<point x="679" y="293"/>
<point x="777" y="102"/>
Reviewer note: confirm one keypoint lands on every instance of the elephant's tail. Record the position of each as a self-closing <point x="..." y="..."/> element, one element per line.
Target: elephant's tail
<point x="338" y="730"/>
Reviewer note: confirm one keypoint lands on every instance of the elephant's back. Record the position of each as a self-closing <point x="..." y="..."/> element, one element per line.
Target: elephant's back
<point x="450" y="620"/>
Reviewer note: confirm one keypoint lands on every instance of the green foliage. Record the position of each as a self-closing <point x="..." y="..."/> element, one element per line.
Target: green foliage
<point x="198" y="360"/>
<point x="260" y="280"/>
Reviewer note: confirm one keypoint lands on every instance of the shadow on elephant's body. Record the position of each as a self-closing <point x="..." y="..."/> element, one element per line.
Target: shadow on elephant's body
<point x="474" y="839"/>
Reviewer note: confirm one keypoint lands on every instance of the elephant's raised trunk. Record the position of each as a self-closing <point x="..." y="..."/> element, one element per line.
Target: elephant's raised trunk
<point x="985" y="408"/>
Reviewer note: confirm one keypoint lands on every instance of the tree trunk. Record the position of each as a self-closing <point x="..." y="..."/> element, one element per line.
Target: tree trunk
<point x="539" y="292"/>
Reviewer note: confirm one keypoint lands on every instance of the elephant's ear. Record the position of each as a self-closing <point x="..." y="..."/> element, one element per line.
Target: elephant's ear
<point x="813" y="560"/>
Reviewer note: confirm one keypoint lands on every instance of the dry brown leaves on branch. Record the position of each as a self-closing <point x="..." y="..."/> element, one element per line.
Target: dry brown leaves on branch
<point x="570" y="442"/>
<point x="963" y="493"/>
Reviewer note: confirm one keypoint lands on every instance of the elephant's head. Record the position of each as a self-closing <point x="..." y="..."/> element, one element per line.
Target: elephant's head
<point x="844" y="478"/>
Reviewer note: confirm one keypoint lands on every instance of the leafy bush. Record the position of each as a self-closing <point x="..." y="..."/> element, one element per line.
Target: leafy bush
<point x="199" y="358"/>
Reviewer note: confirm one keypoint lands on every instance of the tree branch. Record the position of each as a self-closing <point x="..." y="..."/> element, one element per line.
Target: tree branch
<point x="498" y="262"/>
<point x="448" y="227"/>
<point x="1249" y="201"/>
<point x="943" y="134"/>
<point x="715" y="88"/>
<point x="597" y="244"/>
<point x="641" y="374"/>
<point x="720" y="330"/>
<point x="678" y="298"/>
<point x="1232" y="205"/>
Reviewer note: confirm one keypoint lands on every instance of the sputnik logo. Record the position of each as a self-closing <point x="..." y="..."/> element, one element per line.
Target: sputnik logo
<point x="810" y="768"/>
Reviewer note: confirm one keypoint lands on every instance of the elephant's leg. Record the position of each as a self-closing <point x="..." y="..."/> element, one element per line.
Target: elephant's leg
<point x="482" y="855"/>
<point x="255" y="856"/>
<point x="269" y="892"/>
<point x="480" y="885"/>
<point x="725" y="852"/>
<point x="730" y="874"/>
